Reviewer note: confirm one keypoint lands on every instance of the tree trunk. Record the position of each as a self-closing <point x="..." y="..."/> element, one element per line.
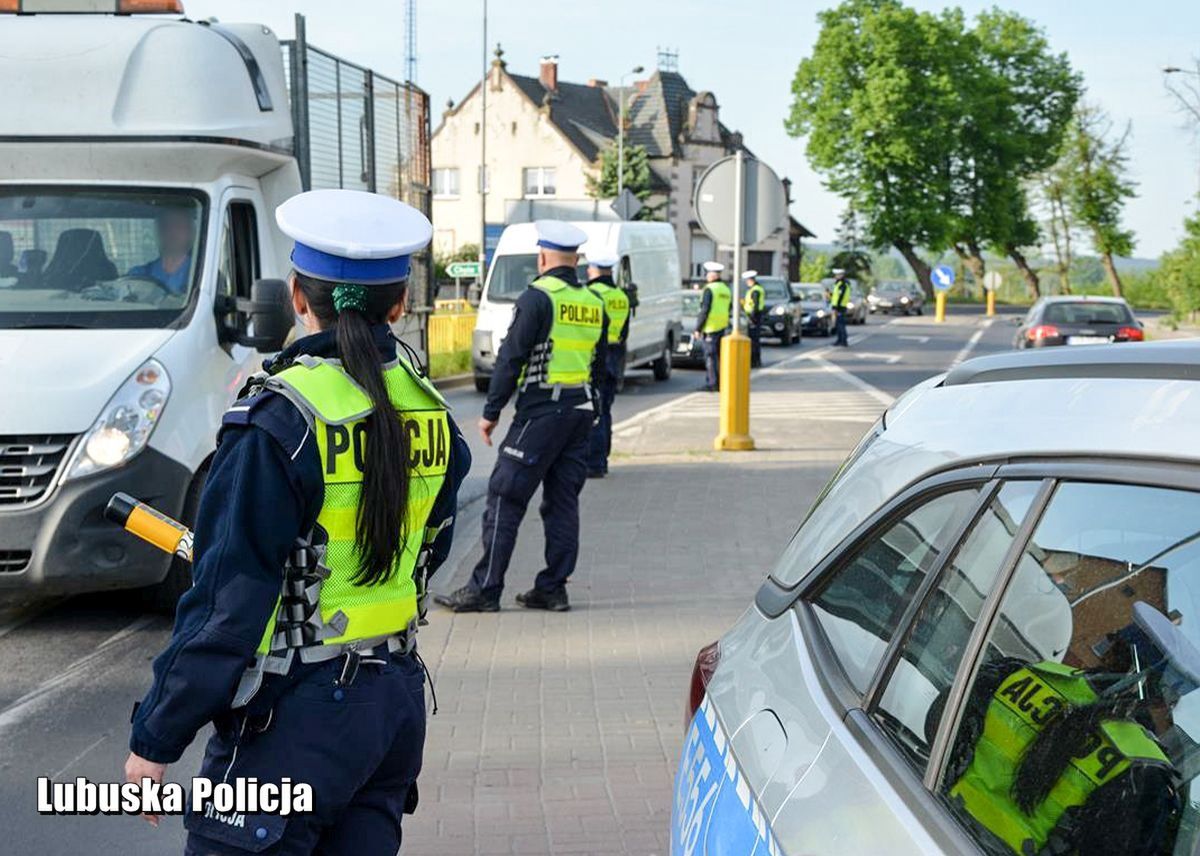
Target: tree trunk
<point x="1031" y="277"/>
<point x="918" y="266"/>
<point x="1114" y="278"/>
<point x="972" y="257"/>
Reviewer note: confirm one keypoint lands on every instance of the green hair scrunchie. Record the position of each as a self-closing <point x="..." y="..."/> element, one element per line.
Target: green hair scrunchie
<point x="349" y="296"/>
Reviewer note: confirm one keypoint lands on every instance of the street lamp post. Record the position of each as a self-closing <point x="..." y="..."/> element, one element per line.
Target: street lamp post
<point x="482" y="177"/>
<point x="637" y="69"/>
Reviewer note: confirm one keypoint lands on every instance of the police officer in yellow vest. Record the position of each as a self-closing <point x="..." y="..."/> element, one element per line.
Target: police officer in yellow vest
<point x="712" y="323"/>
<point x="839" y="299"/>
<point x="617" y="308"/>
<point x="1054" y="760"/>
<point x="554" y="358"/>
<point x="329" y="501"/>
<point x="754" y="305"/>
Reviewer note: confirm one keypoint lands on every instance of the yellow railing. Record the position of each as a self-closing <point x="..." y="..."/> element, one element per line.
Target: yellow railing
<point x="450" y="332"/>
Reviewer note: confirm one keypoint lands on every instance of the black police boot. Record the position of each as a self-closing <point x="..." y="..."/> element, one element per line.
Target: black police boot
<point x="535" y="598"/>
<point x="466" y="599"/>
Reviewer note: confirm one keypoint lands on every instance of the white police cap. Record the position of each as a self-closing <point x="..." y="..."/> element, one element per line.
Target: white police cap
<point x="601" y="260"/>
<point x="750" y="274"/>
<point x="559" y="236"/>
<point x="352" y="236"/>
<point x="714" y="267"/>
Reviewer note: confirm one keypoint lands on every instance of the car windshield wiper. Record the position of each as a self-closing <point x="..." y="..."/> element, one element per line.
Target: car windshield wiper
<point x="50" y="327"/>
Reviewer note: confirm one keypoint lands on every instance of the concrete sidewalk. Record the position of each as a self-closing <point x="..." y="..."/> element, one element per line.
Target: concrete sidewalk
<point x="559" y="733"/>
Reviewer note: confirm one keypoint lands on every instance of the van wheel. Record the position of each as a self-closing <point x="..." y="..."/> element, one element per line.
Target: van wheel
<point x="482" y="383"/>
<point x="662" y="366"/>
<point x="163" y="596"/>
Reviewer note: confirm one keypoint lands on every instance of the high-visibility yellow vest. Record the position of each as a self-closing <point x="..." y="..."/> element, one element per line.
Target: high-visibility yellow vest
<point x="565" y="358"/>
<point x="841" y="295"/>
<point x="616" y="306"/>
<point x="337" y="408"/>
<point x="1025" y="703"/>
<point x="754" y="298"/>
<point x="718" y="309"/>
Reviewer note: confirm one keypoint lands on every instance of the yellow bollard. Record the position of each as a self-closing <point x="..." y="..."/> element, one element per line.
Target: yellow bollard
<point x="735" y="395"/>
<point x="991" y="302"/>
<point x="939" y="314"/>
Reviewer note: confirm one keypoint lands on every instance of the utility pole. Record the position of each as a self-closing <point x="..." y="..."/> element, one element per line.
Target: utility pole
<point x="482" y="178"/>
<point x="410" y="40"/>
<point x="637" y="69"/>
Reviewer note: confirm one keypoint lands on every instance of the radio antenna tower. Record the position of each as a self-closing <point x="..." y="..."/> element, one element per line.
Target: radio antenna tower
<point x="410" y="40"/>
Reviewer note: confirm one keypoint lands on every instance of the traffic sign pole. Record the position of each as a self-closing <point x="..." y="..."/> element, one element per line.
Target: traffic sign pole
<point x="734" y="434"/>
<point x="942" y="277"/>
<point x="991" y="282"/>
<point x="939" y="312"/>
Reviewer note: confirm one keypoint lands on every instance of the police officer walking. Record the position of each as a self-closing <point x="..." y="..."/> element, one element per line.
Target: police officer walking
<point x="840" y="301"/>
<point x="554" y="358"/>
<point x="754" y="305"/>
<point x="617" y="310"/>
<point x="329" y="501"/>
<point x="713" y="323"/>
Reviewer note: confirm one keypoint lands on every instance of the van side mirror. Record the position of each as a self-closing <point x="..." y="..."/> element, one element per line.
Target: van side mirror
<point x="262" y="322"/>
<point x="631" y="291"/>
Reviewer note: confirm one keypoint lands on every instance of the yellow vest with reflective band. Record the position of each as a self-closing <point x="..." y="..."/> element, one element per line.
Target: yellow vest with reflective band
<point x="1025" y="702"/>
<point x="574" y="332"/>
<point x="337" y="407"/>
<point x="841" y="295"/>
<point x="753" y="300"/>
<point x="718" y="309"/>
<point x="616" y="306"/>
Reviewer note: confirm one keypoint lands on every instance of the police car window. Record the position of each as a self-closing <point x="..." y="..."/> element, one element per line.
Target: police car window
<point x="1079" y="729"/>
<point x="914" y="697"/>
<point x="862" y="603"/>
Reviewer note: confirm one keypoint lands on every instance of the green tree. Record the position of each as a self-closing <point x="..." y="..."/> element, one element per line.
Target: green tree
<point x="1180" y="271"/>
<point x="814" y="267"/>
<point x="1096" y="167"/>
<point x="638" y="177"/>
<point x="873" y="101"/>
<point x="853" y="256"/>
<point x="465" y="253"/>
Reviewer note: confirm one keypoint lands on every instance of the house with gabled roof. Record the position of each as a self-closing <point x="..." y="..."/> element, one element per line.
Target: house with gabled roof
<point x="545" y="137"/>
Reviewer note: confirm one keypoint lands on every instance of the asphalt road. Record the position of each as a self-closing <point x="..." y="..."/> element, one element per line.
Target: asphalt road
<point x="71" y="670"/>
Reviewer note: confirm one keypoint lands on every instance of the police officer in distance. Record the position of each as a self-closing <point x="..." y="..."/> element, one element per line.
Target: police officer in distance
<point x="617" y="310"/>
<point x="713" y="322"/>
<point x="554" y="357"/>
<point x="330" y="499"/>
<point x="840" y="301"/>
<point x="754" y="305"/>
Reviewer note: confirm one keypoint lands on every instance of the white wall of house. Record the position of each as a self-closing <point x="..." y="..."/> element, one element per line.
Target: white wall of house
<point x="520" y="137"/>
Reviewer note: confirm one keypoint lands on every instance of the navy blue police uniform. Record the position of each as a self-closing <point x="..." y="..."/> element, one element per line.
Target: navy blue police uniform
<point x="264" y="490"/>
<point x="600" y="442"/>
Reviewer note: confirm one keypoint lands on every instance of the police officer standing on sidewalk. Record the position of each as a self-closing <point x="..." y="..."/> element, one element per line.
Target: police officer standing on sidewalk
<point x="330" y="498"/>
<point x="554" y="358"/>
<point x="754" y="304"/>
<point x="617" y="309"/>
<point x="840" y="301"/>
<point x="713" y="323"/>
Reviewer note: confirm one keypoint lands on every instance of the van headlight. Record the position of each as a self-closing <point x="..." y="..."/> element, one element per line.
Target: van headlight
<point x="125" y="424"/>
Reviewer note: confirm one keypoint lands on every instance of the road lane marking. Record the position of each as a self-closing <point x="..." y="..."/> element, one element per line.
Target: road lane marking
<point x="26" y="613"/>
<point x="74" y="673"/>
<point x="920" y="340"/>
<point x="854" y="380"/>
<point x="890" y="359"/>
<point x="80" y="756"/>
<point x="971" y="343"/>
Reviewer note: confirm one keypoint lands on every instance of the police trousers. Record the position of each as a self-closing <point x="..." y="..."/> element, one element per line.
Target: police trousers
<point x="548" y="450"/>
<point x="359" y="746"/>
<point x="754" y="329"/>
<point x="600" y="442"/>
<point x="711" y="342"/>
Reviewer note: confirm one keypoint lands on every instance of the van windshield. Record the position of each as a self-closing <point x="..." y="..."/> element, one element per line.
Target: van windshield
<point x="97" y="258"/>
<point x="512" y="274"/>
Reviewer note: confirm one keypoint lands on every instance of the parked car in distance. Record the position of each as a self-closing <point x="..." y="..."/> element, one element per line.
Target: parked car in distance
<point x="856" y="309"/>
<point x="688" y="353"/>
<point x="783" y="310"/>
<point x="1083" y="320"/>
<point x="817" y="317"/>
<point x="1002" y="529"/>
<point x="899" y="298"/>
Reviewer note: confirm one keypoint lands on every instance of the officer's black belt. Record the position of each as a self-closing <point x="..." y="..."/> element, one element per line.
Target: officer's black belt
<point x="380" y="646"/>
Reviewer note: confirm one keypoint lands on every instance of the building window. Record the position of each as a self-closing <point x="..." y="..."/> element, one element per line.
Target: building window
<point x="540" y="181"/>
<point x="445" y="183"/>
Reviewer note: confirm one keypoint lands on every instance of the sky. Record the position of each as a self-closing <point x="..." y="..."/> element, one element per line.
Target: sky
<point x="746" y="54"/>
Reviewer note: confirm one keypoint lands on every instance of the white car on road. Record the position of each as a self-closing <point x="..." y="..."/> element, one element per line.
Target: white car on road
<point x="1027" y="514"/>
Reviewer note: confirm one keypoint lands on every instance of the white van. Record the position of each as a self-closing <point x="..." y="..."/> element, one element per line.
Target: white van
<point x="649" y="267"/>
<point x="141" y="275"/>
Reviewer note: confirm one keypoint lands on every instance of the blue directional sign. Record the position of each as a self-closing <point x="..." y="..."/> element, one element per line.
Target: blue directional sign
<point x="943" y="277"/>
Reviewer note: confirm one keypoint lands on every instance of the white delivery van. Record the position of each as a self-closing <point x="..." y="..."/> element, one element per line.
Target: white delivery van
<point x="649" y="269"/>
<point x="141" y="274"/>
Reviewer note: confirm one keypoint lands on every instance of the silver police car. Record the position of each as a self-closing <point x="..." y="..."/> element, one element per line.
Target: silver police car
<point x="984" y="638"/>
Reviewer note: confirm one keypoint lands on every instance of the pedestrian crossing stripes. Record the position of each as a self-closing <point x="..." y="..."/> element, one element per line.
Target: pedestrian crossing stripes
<point x="815" y="405"/>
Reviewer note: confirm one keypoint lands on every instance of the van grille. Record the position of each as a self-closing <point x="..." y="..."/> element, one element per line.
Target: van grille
<point x="28" y="464"/>
<point x="14" y="561"/>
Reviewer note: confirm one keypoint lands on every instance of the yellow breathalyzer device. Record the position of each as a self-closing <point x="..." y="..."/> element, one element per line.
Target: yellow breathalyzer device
<point x="152" y="526"/>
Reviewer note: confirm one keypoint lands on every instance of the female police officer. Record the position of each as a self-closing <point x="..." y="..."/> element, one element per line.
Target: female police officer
<point x="330" y="498"/>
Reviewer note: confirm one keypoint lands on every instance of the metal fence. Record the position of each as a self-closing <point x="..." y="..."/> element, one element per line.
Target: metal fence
<point x="360" y="130"/>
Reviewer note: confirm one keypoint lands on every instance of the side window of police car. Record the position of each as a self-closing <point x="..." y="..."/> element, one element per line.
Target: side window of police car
<point x="1078" y="731"/>
<point x="863" y="601"/>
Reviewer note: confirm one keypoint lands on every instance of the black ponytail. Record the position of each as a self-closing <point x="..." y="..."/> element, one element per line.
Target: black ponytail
<point x="381" y="525"/>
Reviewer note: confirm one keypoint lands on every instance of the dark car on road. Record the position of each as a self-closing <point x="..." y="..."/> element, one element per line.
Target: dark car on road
<point x="817" y="319"/>
<point x="688" y="353"/>
<point x="1069" y="320"/>
<point x="898" y="298"/>
<point x="783" y="310"/>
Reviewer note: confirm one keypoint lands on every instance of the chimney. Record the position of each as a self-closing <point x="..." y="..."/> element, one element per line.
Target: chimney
<point x="549" y="73"/>
<point x="597" y="84"/>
